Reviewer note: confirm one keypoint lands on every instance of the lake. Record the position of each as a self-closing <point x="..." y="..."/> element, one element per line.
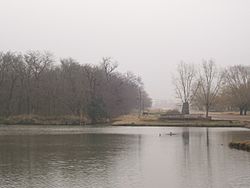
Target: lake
<point x="122" y="157"/>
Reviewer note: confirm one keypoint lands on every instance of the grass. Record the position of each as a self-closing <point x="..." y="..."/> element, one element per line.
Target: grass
<point x="153" y="120"/>
<point x="130" y="120"/>
<point x="40" y="120"/>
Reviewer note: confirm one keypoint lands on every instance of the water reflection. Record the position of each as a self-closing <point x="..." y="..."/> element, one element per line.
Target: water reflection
<point x="185" y="135"/>
<point x="124" y="157"/>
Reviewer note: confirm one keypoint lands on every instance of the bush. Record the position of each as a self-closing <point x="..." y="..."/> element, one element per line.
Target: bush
<point x="172" y="112"/>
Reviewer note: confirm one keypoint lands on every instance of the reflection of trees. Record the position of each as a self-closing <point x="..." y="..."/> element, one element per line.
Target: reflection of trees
<point x="47" y="159"/>
<point x="185" y="135"/>
<point x="207" y="138"/>
<point x="196" y="156"/>
<point x="209" y="164"/>
<point x="185" y="138"/>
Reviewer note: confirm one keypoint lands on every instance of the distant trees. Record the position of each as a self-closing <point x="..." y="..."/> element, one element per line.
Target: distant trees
<point x="37" y="65"/>
<point x="32" y="83"/>
<point x="11" y="65"/>
<point x="238" y="84"/>
<point x="212" y="88"/>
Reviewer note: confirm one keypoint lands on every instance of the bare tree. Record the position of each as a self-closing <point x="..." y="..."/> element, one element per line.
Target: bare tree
<point x="185" y="85"/>
<point x="74" y="85"/>
<point x="210" y="81"/>
<point x="108" y="66"/>
<point x="37" y="64"/>
<point x="2" y="68"/>
<point x="12" y="62"/>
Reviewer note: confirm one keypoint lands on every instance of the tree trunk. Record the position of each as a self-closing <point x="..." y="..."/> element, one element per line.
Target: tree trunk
<point x="10" y="96"/>
<point x="241" y="111"/>
<point x="245" y="111"/>
<point x="185" y="108"/>
<point x="207" y="109"/>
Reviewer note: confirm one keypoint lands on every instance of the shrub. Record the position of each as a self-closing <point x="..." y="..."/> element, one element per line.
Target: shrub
<point x="172" y="112"/>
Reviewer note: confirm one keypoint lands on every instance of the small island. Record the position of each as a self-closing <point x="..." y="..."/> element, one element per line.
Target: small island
<point x="241" y="145"/>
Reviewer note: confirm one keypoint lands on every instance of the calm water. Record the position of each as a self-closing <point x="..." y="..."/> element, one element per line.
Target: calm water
<point x="110" y="157"/>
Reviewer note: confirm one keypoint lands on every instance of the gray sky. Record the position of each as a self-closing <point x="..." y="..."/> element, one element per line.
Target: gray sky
<point x="147" y="37"/>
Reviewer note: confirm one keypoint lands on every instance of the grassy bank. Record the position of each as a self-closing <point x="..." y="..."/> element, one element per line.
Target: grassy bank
<point x="153" y="120"/>
<point x="42" y="120"/>
<point x="126" y="120"/>
<point x="241" y="145"/>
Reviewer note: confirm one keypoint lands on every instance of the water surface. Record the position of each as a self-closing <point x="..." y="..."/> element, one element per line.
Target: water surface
<point x="122" y="157"/>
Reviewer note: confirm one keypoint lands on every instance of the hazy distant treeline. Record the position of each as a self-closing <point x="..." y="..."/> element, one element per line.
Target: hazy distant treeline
<point x="32" y="83"/>
<point x="210" y="88"/>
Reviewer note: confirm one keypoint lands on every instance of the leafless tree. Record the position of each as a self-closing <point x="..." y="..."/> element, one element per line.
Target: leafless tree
<point x="11" y="62"/>
<point x="37" y="64"/>
<point x="185" y="84"/>
<point x="210" y="81"/>
<point x="2" y="68"/>
<point x="109" y="66"/>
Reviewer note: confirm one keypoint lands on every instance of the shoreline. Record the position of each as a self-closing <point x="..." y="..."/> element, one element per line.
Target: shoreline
<point x="47" y="120"/>
<point x="130" y="125"/>
<point x="155" y="120"/>
<point x="179" y="125"/>
<point x="127" y="120"/>
<point x="182" y="123"/>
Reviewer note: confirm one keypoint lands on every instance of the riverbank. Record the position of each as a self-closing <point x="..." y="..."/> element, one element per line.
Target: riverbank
<point x="126" y="120"/>
<point x="43" y="120"/>
<point x="153" y="120"/>
<point x="241" y="145"/>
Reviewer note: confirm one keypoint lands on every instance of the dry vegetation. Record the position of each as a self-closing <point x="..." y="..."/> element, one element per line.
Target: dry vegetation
<point x="153" y="120"/>
<point x="42" y="120"/>
<point x="242" y="145"/>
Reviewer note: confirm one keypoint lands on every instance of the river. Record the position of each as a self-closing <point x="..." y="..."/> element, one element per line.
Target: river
<point x="122" y="157"/>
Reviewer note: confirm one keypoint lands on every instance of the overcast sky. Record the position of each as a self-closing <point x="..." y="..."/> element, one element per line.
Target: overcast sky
<point x="147" y="37"/>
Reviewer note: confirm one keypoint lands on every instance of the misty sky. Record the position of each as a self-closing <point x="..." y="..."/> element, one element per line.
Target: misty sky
<point x="147" y="37"/>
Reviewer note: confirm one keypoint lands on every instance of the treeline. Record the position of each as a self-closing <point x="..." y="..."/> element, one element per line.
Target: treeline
<point x="209" y="88"/>
<point x="33" y="83"/>
<point x="235" y="90"/>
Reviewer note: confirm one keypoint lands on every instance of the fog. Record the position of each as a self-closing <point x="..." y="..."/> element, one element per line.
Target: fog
<point x="147" y="37"/>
